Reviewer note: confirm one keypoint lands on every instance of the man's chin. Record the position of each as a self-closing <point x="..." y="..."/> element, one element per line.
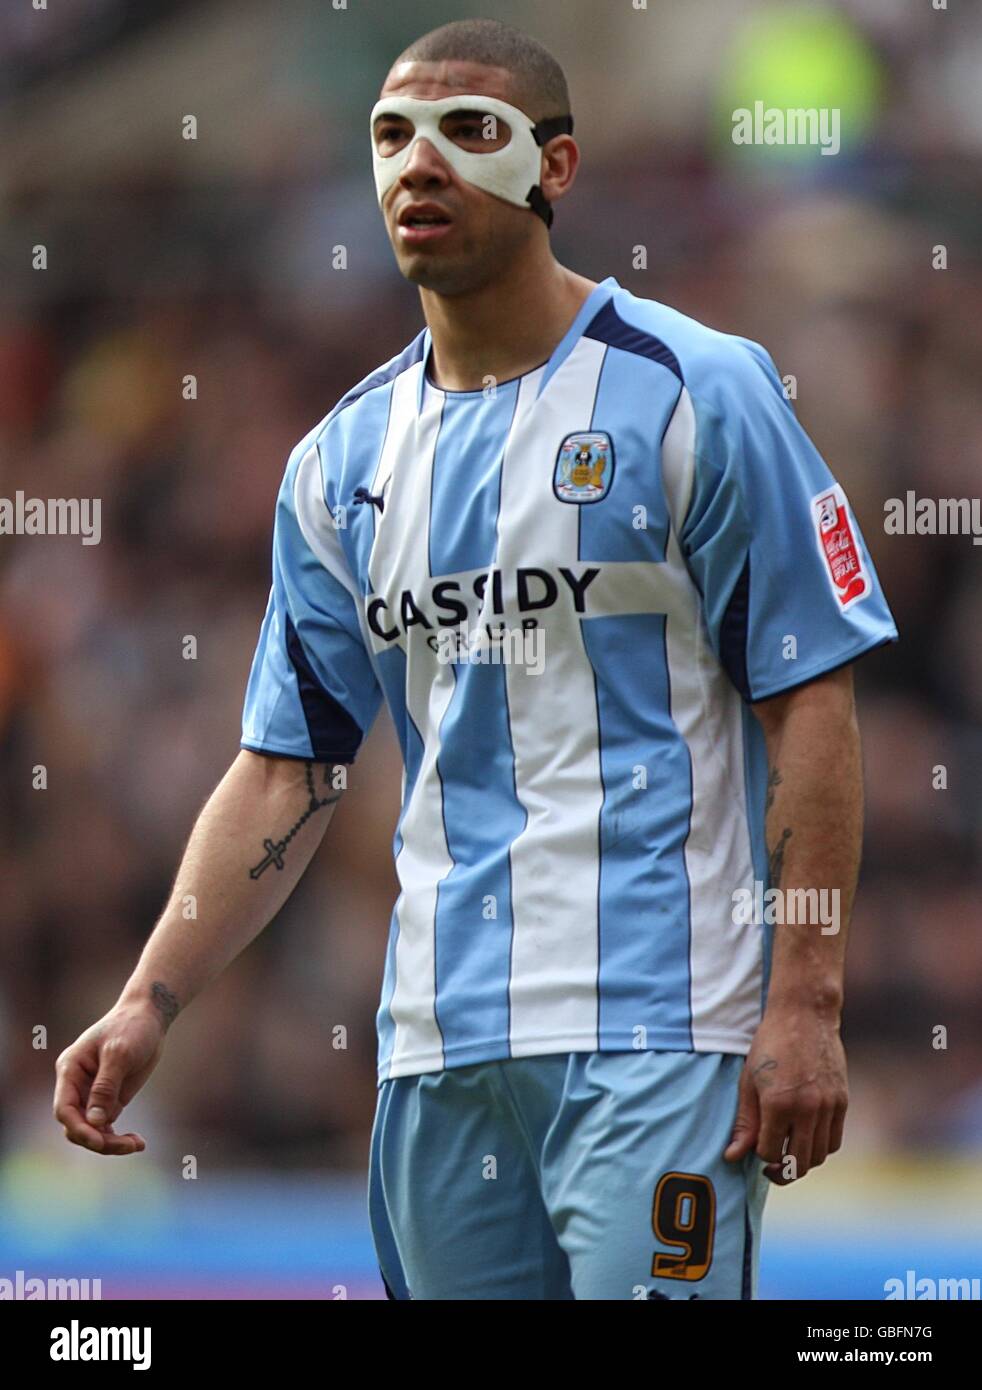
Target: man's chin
<point x="438" y="274"/>
<point x="445" y="274"/>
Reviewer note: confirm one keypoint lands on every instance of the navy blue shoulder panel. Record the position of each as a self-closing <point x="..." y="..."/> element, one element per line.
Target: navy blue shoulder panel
<point x="334" y="735"/>
<point x="733" y="632"/>
<point x="608" y="327"/>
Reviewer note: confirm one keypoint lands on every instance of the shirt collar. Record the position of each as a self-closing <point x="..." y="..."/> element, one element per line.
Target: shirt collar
<point x="588" y="310"/>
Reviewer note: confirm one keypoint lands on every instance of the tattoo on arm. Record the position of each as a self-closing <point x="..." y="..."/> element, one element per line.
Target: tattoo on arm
<point x="777" y="858"/>
<point x="164" y="1001"/>
<point x="769" y="1064"/>
<point x="774" y="780"/>
<point x="275" y="848"/>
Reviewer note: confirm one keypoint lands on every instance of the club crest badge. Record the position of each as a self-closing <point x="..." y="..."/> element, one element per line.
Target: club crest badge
<point x="584" y="467"/>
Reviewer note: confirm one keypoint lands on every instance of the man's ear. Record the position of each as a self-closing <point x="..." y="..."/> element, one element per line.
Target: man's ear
<point x="560" y="161"/>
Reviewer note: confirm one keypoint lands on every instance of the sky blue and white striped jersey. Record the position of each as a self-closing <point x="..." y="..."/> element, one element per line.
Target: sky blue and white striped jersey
<point x="571" y="834"/>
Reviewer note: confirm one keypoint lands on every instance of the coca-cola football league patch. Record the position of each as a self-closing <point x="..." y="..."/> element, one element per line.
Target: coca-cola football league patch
<point x="837" y="542"/>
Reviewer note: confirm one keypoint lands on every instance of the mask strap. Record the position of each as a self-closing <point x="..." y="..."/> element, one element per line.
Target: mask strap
<point x="548" y="129"/>
<point x="541" y="133"/>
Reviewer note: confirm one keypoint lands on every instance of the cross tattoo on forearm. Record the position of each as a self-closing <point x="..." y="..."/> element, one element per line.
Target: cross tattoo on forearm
<point x="274" y="855"/>
<point x="275" y="848"/>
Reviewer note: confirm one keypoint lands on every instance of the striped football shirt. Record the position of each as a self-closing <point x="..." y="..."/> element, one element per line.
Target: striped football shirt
<point x="568" y="588"/>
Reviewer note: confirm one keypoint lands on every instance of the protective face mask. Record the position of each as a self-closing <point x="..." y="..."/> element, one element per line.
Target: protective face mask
<point x="510" y="172"/>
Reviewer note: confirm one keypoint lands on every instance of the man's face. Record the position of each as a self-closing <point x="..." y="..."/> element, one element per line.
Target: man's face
<point x="475" y="234"/>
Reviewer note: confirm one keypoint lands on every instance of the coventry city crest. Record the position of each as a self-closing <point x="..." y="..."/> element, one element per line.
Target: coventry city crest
<point x="584" y="468"/>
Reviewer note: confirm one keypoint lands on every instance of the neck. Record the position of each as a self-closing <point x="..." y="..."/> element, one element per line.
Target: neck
<point x="506" y="328"/>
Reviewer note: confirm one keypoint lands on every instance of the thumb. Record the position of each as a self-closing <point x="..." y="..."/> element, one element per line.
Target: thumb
<point x="103" y="1105"/>
<point x="747" y="1122"/>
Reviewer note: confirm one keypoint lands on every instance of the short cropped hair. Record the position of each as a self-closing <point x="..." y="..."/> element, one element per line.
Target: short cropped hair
<point x="540" y="83"/>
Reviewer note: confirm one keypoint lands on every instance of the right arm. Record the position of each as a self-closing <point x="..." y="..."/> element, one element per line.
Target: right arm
<point x="249" y="847"/>
<point x="313" y="691"/>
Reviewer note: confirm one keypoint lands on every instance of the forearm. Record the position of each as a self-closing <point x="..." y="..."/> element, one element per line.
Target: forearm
<point x="248" y="849"/>
<point x="814" y="833"/>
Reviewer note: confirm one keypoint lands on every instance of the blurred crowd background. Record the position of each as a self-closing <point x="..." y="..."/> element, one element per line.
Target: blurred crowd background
<point x="215" y="257"/>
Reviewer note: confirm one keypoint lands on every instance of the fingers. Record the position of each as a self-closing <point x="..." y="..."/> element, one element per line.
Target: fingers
<point x="73" y="1110"/>
<point x="776" y="1173"/>
<point x="103" y="1104"/>
<point x="773" y="1146"/>
<point x="105" y="1142"/>
<point x="795" y="1138"/>
<point x="101" y="1141"/>
<point x="837" y="1126"/>
<point x="77" y="1131"/>
<point x="775" y="1125"/>
<point x="783" y="1169"/>
<point x="800" y="1146"/>
<point x="820" y="1139"/>
<point x="747" y="1122"/>
<point x="117" y="1145"/>
<point x="70" y="1088"/>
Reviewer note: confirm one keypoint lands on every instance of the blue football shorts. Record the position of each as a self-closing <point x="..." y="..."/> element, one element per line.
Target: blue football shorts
<point x="577" y="1175"/>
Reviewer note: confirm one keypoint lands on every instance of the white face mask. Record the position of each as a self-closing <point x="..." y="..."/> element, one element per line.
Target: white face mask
<point x="510" y="172"/>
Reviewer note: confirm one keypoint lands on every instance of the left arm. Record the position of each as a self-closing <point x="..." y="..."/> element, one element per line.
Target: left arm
<point x="793" y="1086"/>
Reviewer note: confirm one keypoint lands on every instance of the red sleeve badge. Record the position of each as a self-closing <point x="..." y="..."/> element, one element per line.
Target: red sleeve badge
<point x="837" y="543"/>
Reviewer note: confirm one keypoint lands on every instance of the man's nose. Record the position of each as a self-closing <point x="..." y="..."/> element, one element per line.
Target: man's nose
<point x="424" y="165"/>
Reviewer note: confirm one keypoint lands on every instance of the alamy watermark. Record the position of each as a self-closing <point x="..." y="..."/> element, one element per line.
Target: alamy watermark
<point x="771" y="125"/>
<point x="30" y="1288"/>
<point x="933" y="516"/>
<point x="925" y="1288"/>
<point x="52" y="516"/>
<point x="801" y="907"/>
<point x="80" y="1343"/>
<point x="492" y="645"/>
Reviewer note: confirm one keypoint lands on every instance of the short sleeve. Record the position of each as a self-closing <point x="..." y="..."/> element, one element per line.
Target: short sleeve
<point x="788" y="588"/>
<point x="312" y="691"/>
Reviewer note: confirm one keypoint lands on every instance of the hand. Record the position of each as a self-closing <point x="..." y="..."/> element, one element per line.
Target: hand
<point x="792" y="1088"/>
<point x="101" y="1073"/>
